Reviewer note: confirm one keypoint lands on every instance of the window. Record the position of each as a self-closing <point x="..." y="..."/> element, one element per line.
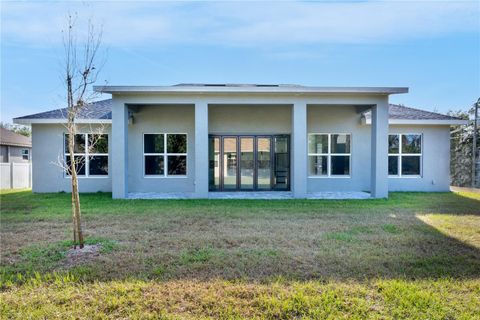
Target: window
<point x="329" y="155"/>
<point x="25" y="154"/>
<point x="94" y="148"/>
<point x="165" y="154"/>
<point x="404" y="155"/>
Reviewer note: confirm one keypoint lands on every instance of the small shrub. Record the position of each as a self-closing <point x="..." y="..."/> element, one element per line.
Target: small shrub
<point x="360" y="230"/>
<point x="197" y="255"/>
<point x="43" y="259"/>
<point x="158" y="271"/>
<point x="339" y="236"/>
<point x="390" y="228"/>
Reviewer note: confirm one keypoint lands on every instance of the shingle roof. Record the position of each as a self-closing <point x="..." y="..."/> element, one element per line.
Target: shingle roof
<point x="397" y="111"/>
<point x="96" y="110"/>
<point x="102" y="110"/>
<point x="10" y="138"/>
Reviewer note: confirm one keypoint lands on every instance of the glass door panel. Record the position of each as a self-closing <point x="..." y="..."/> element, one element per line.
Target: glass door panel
<point x="214" y="163"/>
<point x="249" y="163"/>
<point x="229" y="163"/>
<point x="282" y="163"/>
<point x="264" y="165"/>
<point x="246" y="163"/>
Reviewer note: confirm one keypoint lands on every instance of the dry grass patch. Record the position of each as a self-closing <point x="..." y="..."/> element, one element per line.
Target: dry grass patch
<point x="188" y="299"/>
<point x="415" y="255"/>
<point x="250" y="239"/>
<point x="465" y="228"/>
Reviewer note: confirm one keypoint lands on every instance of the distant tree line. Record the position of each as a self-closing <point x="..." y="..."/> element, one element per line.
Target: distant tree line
<point x="23" y="130"/>
<point x="461" y="151"/>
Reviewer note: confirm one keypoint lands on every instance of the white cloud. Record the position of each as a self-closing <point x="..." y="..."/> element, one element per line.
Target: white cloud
<point x="353" y="22"/>
<point x="245" y="24"/>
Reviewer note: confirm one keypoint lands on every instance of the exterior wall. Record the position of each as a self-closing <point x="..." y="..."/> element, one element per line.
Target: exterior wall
<point x="178" y="116"/>
<point x="48" y="148"/>
<point x="15" y="154"/>
<point x="435" y="160"/>
<point x="342" y="119"/>
<point x="249" y="119"/>
<point x="3" y="154"/>
<point x="260" y="120"/>
<point x="181" y="119"/>
<point x="160" y="119"/>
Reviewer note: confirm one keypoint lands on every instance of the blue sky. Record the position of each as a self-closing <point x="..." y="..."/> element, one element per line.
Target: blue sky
<point x="433" y="47"/>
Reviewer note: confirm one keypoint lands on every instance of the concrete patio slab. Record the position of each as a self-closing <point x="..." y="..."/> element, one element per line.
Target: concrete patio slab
<point x="339" y="195"/>
<point x="167" y="195"/>
<point x="265" y="195"/>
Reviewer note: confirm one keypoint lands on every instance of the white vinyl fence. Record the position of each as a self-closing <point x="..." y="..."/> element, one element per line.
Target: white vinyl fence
<point x="15" y="175"/>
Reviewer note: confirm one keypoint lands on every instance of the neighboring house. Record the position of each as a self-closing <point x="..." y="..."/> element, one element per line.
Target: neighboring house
<point x="15" y="160"/>
<point x="197" y="140"/>
<point x="14" y="147"/>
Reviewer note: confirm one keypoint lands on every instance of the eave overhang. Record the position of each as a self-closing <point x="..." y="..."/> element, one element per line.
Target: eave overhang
<point x="297" y="90"/>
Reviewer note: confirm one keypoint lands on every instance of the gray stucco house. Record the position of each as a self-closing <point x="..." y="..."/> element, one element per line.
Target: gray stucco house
<point x="208" y="140"/>
<point x="14" y="147"/>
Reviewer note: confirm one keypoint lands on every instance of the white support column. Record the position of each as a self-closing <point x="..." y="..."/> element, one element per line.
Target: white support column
<point x="379" y="156"/>
<point x="201" y="149"/>
<point x="299" y="150"/>
<point x="119" y="150"/>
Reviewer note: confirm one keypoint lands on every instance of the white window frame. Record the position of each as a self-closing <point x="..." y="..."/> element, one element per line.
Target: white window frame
<point x="165" y="155"/>
<point x="87" y="156"/>
<point x="329" y="155"/>
<point x="400" y="155"/>
<point x="27" y="154"/>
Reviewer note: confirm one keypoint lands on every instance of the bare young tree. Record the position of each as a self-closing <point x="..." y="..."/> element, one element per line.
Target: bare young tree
<point x="79" y="73"/>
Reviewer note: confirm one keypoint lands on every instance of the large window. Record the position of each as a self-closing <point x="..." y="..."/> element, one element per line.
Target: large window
<point x="404" y="155"/>
<point x="165" y="154"/>
<point x="329" y="155"/>
<point x="91" y="147"/>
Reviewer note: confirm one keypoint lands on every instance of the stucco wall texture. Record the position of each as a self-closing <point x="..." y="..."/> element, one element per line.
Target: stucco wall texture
<point x="48" y="148"/>
<point x="47" y="154"/>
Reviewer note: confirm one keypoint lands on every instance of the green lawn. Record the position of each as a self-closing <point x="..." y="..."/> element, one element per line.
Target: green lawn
<point x="416" y="255"/>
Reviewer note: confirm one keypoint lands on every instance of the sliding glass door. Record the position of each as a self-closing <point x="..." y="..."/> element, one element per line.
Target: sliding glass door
<point x="281" y="159"/>
<point x="264" y="163"/>
<point x="229" y="165"/>
<point x="213" y="163"/>
<point x="249" y="163"/>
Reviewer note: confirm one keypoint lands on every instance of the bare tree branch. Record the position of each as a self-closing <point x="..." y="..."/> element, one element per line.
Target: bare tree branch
<point x="80" y="72"/>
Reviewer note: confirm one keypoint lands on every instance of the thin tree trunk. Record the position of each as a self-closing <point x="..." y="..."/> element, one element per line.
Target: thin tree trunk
<point x="78" y="215"/>
<point x="73" y="173"/>
<point x="74" y="223"/>
<point x="77" y="225"/>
